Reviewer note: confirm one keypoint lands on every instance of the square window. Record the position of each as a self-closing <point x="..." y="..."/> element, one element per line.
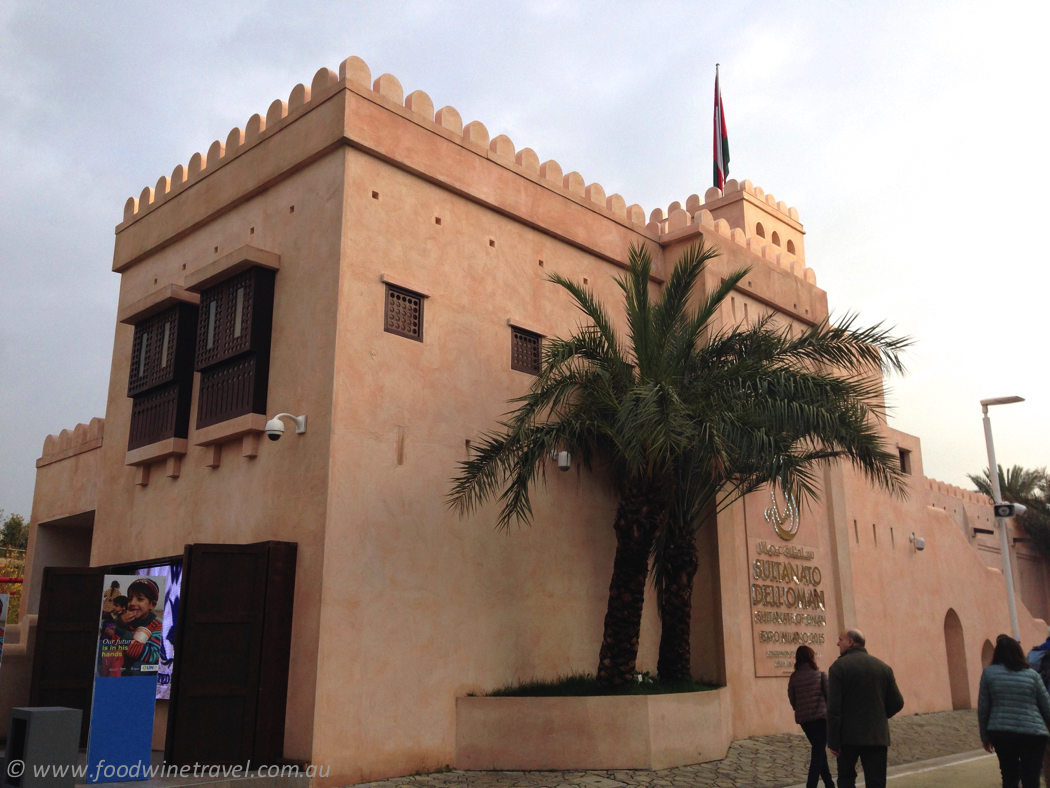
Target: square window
<point x="403" y="313"/>
<point x="525" y="351"/>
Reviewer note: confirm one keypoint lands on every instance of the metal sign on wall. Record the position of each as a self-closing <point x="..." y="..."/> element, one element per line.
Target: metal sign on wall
<point x="789" y="581"/>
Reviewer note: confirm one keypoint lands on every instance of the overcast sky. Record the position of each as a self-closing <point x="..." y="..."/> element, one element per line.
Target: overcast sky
<point x="910" y="136"/>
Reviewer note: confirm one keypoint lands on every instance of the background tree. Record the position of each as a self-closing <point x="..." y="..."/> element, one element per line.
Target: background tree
<point x="14" y="532"/>
<point x="1028" y="486"/>
<point x="14" y="535"/>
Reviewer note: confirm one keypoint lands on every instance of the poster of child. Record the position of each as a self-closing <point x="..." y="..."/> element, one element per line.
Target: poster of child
<point x="131" y="626"/>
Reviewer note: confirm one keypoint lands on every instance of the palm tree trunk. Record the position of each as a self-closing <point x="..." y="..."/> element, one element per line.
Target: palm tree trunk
<point x="638" y="519"/>
<point x="676" y="608"/>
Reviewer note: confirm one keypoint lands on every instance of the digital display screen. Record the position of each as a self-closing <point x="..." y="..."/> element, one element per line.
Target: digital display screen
<point x="173" y="572"/>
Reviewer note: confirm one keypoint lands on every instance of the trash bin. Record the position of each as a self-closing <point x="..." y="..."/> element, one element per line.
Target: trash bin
<point x="46" y="736"/>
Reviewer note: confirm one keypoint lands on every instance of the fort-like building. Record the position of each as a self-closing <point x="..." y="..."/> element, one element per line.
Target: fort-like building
<point x="356" y="257"/>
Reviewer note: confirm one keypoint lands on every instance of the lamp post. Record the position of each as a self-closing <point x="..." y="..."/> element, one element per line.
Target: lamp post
<point x="993" y="473"/>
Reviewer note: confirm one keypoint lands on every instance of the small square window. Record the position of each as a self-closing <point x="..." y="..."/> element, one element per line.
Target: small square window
<point x="403" y="313"/>
<point x="525" y="351"/>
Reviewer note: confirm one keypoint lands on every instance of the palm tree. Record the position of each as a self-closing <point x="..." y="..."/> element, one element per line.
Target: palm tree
<point x="1018" y="485"/>
<point x="780" y="416"/>
<point x="1029" y="486"/>
<point x="667" y="403"/>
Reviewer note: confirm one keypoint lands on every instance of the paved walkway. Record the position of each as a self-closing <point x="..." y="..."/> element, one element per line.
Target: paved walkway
<point x="761" y="762"/>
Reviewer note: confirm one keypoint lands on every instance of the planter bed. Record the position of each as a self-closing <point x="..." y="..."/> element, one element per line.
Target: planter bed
<point x="605" y="732"/>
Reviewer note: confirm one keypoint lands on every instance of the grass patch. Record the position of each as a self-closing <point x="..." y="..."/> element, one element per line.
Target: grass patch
<point x="586" y="685"/>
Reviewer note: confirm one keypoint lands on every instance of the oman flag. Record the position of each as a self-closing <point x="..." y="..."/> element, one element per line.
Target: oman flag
<point x="721" y="139"/>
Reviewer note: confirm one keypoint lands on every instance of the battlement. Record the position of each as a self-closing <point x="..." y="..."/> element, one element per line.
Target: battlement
<point x="969" y="496"/>
<point x="736" y="226"/>
<point x="355" y="75"/>
<point x="82" y="438"/>
<point x="730" y="214"/>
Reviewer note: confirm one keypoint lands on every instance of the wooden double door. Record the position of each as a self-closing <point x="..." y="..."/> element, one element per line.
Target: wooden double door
<point x="232" y="648"/>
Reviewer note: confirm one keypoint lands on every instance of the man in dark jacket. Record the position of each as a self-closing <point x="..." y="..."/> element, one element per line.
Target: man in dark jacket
<point x="862" y="696"/>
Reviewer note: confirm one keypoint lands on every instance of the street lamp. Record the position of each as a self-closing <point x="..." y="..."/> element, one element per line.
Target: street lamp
<point x="993" y="474"/>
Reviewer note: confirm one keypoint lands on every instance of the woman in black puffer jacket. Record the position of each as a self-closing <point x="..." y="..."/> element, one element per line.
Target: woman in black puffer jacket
<point x="808" y="693"/>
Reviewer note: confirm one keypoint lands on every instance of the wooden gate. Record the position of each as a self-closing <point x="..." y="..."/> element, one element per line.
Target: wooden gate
<point x="66" y="639"/>
<point x="230" y="679"/>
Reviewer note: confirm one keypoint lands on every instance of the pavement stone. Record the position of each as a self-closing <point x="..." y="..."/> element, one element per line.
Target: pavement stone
<point x="774" y="761"/>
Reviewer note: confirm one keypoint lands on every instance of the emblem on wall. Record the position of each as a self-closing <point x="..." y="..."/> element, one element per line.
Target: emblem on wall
<point x="785" y="521"/>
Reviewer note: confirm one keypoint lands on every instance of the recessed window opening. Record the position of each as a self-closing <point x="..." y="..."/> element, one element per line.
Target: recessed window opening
<point x="745" y="312"/>
<point x="732" y="305"/>
<point x="251" y="231"/>
<point x="775" y="239"/>
<point x="874" y="534"/>
<point x="856" y="532"/>
<point x="375" y="195"/>
<point x="905" y="460"/>
<point x="164" y="345"/>
<point x="437" y="220"/>
<point x="760" y="231"/>
<point x="791" y="247"/>
<point x="211" y="325"/>
<point x="492" y="243"/>
<point x="893" y="542"/>
<point x="291" y="209"/>
<point x="541" y="264"/>
<point x="238" y="316"/>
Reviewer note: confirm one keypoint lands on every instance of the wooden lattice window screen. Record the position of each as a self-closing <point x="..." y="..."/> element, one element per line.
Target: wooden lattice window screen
<point x="404" y="313"/>
<point x="160" y="378"/>
<point x="525" y="351"/>
<point x="233" y="346"/>
<point x="153" y="351"/>
<point x="224" y="324"/>
<point x="155" y="416"/>
<point x="232" y="389"/>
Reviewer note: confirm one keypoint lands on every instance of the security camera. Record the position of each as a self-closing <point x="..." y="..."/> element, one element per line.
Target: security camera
<point x="919" y="542"/>
<point x="1010" y="509"/>
<point x="564" y="461"/>
<point x="275" y="427"/>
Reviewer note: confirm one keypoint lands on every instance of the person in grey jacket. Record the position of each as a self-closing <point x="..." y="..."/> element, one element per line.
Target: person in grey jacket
<point x="808" y="693"/>
<point x="1013" y="712"/>
<point x="862" y="696"/>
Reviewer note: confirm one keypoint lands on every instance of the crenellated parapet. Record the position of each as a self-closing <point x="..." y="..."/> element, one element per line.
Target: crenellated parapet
<point x="968" y="496"/>
<point x="354" y="74"/>
<point x="82" y="438"/>
<point x="762" y="242"/>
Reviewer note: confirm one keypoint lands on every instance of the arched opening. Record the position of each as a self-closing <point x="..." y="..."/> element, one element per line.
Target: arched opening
<point x="760" y="231"/>
<point x="775" y="239"/>
<point x="986" y="653"/>
<point x="958" y="678"/>
<point x="791" y="247"/>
